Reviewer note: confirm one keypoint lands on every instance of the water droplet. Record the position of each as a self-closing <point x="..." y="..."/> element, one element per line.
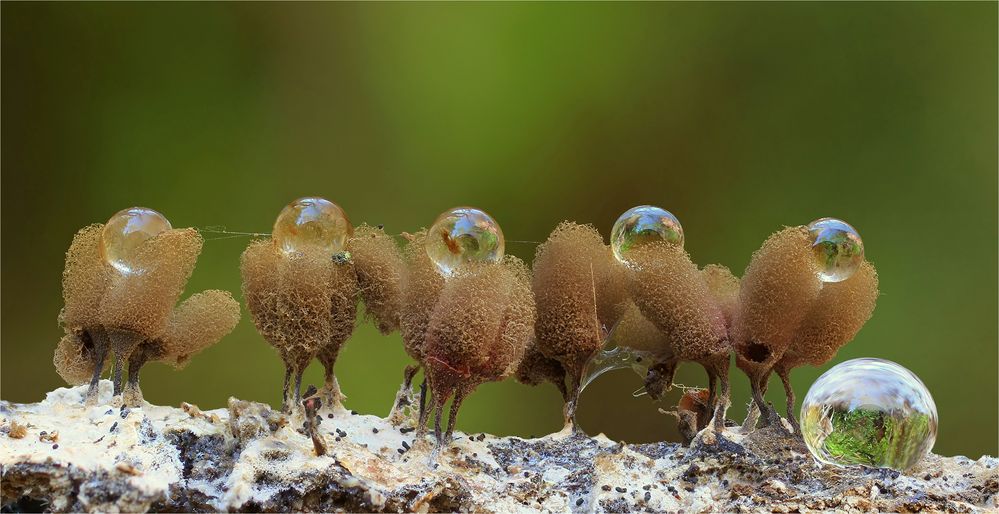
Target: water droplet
<point x="838" y="248"/>
<point x="620" y="357"/>
<point x="125" y="232"/>
<point x="464" y="234"/>
<point x="641" y="225"/>
<point x="312" y="224"/>
<point x="871" y="412"/>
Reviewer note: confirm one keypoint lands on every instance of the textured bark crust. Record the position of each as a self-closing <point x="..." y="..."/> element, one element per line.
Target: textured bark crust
<point x="251" y="458"/>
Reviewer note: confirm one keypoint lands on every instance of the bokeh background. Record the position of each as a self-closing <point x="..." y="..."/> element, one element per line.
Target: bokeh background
<point x="739" y="118"/>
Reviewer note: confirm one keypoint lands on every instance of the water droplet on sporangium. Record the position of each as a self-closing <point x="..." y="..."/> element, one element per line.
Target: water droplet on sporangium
<point x="464" y="234"/>
<point x="641" y="225"/>
<point x="871" y="412"/>
<point x="838" y="248"/>
<point x="312" y="224"/>
<point x="125" y="232"/>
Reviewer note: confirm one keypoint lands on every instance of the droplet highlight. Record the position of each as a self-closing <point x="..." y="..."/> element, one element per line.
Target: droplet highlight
<point x="838" y="248"/>
<point x="642" y="225"/>
<point x="461" y="235"/>
<point x="312" y="224"/>
<point x="872" y="412"/>
<point x="125" y="232"/>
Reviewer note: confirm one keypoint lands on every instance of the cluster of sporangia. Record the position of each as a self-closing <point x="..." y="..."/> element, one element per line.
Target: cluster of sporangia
<point x="467" y="313"/>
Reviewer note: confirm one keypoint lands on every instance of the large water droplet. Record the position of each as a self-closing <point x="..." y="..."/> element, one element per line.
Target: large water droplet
<point x="871" y="412"/>
<point x="125" y="232"/>
<point x="838" y="248"/>
<point x="312" y="224"/>
<point x="464" y="234"/>
<point x="641" y="225"/>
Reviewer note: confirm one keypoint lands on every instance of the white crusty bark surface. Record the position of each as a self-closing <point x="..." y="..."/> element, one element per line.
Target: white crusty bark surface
<point x="250" y="458"/>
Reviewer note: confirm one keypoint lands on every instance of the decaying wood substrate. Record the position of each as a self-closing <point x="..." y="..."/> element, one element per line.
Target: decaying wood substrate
<point x="63" y="455"/>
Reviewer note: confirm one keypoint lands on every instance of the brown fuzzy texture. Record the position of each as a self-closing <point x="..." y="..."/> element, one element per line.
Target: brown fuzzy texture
<point x="479" y="331"/>
<point x="568" y="268"/>
<point x="535" y="369"/>
<point x="379" y="266"/>
<point x="342" y="291"/>
<point x="129" y="315"/>
<point x="197" y="323"/>
<point x="84" y="279"/>
<point x="303" y="304"/>
<point x="671" y="293"/>
<point x="259" y="269"/>
<point x="73" y="360"/>
<point x="612" y="288"/>
<point x="421" y="285"/>
<point x="638" y="333"/>
<point x="142" y="303"/>
<point x="724" y="287"/>
<point x="777" y="291"/>
<point x="836" y="316"/>
<point x="517" y="330"/>
<point x="480" y="328"/>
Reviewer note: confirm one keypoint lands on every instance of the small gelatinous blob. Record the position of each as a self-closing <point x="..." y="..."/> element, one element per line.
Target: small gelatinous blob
<point x="311" y="224"/>
<point x="641" y="225"/>
<point x="871" y="412"/>
<point x="620" y="357"/>
<point x="838" y="248"/>
<point x="464" y="234"/>
<point x="125" y="232"/>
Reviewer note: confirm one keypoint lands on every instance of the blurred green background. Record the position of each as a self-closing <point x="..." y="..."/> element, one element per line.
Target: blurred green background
<point x="738" y="118"/>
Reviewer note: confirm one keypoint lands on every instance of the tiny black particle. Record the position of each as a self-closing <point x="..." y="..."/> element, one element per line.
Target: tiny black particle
<point x="606" y="487"/>
<point x="405" y="445"/>
<point x="338" y="439"/>
<point x="620" y="489"/>
<point x="400" y="450"/>
<point x="109" y="412"/>
<point x="407" y="430"/>
<point x="329" y="416"/>
<point x="648" y="496"/>
<point x="527" y="474"/>
<point x="646" y="487"/>
<point x="375" y="430"/>
<point x="55" y="446"/>
<point x="579" y="502"/>
<point x="42" y="432"/>
<point x="352" y="413"/>
<point x="114" y="426"/>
